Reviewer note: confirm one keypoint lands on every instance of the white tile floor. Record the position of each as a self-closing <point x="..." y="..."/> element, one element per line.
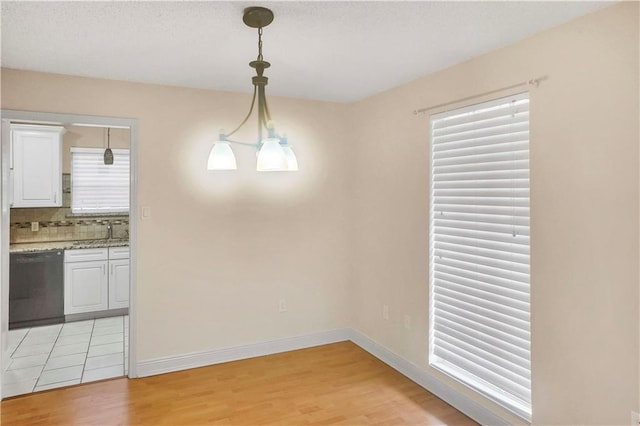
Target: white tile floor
<point x="60" y="355"/>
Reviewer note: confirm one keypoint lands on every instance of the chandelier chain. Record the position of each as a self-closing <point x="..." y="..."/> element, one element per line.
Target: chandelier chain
<point x="260" y="43"/>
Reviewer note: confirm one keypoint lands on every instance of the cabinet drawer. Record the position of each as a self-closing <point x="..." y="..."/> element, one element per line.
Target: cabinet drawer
<point x="85" y="255"/>
<point x="118" y="253"/>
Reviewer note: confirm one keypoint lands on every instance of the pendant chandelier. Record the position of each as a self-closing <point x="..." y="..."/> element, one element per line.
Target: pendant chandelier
<point x="273" y="151"/>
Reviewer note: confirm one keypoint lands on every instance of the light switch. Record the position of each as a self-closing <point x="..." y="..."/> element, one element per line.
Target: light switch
<point x="146" y="212"/>
<point x="35" y="226"/>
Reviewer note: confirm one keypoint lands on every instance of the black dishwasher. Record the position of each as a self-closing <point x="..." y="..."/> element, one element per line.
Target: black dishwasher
<point x="36" y="288"/>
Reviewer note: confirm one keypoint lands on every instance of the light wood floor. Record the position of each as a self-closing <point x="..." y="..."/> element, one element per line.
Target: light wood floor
<point x="331" y="384"/>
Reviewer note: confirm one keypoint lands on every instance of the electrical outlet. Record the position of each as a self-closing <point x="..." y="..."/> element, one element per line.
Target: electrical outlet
<point x="635" y="418"/>
<point x="35" y="226"/>
<point x="282" y="305"/>
<point x="407" y="322"/>
<point x="385" y="312"/>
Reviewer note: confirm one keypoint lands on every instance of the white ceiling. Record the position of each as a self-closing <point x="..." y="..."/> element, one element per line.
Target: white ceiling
<point x="337" y="51"/>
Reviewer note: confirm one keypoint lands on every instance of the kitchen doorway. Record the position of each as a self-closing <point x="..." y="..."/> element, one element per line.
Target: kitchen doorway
<point x="111" y="259"/>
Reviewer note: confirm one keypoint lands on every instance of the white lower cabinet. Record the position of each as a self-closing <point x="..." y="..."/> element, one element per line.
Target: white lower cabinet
<point x="96" y="279"/>
<point x="85" y="287"/>
<point x="118" y="283"/>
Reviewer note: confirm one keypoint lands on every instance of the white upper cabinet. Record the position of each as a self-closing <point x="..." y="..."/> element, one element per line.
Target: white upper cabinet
<point x="36" y="165"/>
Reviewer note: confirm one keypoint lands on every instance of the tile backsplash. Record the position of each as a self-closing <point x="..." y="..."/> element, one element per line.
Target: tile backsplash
<point x="59" y="224"/>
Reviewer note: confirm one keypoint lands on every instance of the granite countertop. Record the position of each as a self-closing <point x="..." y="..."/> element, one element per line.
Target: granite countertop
<point x="66" y="245"/>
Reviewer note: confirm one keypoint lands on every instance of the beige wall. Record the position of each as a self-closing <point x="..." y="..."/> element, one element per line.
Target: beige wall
<point x="221" y="248"/>
<point x="349" y="232"/>
<point x="584" y="212"/>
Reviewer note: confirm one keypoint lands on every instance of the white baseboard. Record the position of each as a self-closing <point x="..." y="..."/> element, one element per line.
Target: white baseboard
<point x="200" y="359"/>
<point x="169" y="364"/>
<point x="454" y="398"/>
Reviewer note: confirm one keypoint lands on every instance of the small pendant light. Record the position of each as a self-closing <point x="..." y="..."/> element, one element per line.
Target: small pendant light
<point x="108" y="154"/>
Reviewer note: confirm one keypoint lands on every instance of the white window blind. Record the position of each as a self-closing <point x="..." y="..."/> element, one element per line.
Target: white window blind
<point x="96" y="187"/>
<point x="479" y="269"/>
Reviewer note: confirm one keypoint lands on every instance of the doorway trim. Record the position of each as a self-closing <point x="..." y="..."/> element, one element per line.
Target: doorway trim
<point x="8" y="116"/>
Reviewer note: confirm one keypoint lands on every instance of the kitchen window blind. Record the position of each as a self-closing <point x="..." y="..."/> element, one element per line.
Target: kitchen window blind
<point x="479" y="249"/>
<point x="96" y="187"/>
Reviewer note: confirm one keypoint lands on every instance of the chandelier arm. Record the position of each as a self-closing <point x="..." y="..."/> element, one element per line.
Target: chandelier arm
<point x="264" y="117"/>
<point x="260" y="114"/>
<point x="262" y="121"/>
<point x="254" y="145"/>
<point x="266" y="108"/>
<point x="263" y="106"/>
<point x="253" y="101"/>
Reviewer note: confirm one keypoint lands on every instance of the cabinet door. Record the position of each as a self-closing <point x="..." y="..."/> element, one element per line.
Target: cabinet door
<point x="118" y="283"/>
<point x="36" y="159"/>
<point x="85" y="287"/>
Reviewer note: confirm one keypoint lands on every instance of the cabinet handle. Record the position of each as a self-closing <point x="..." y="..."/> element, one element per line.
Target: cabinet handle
<point x="112" y="269"/>
<point x="55" y="198"/>
<point x="104" y="271"/>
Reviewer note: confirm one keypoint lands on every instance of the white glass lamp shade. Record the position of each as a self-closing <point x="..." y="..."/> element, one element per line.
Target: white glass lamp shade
<point x="271" y="156"/>
<point x="221" y="157"/>
<point x="292" y="161"/>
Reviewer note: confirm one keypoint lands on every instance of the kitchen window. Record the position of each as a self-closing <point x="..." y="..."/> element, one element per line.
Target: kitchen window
<point x="479" y="249"/>
<point x="96" y="187"/>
